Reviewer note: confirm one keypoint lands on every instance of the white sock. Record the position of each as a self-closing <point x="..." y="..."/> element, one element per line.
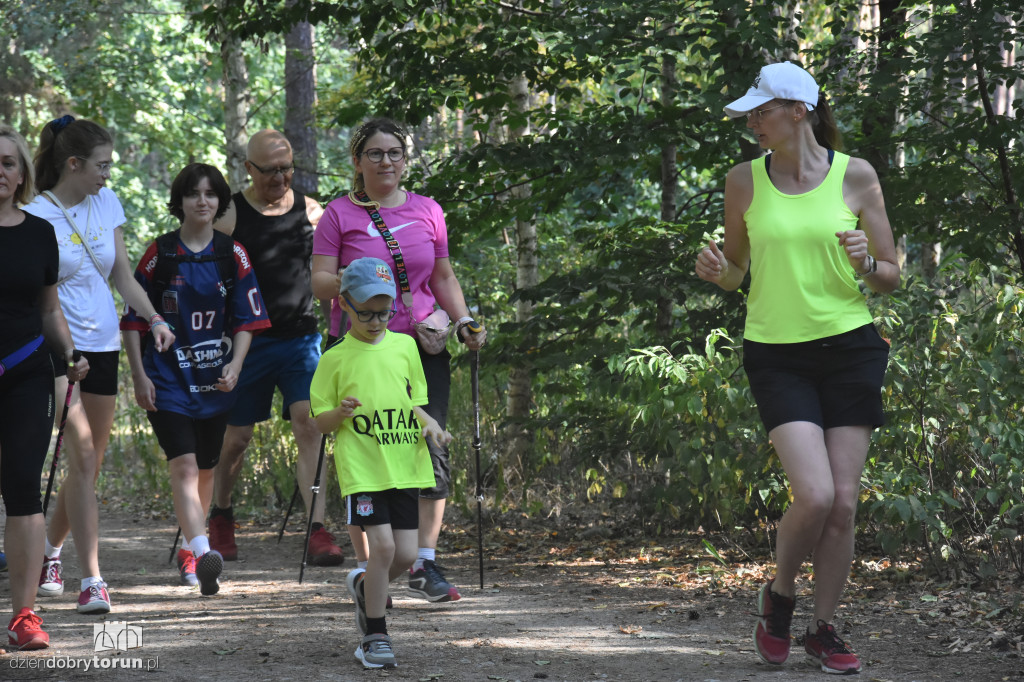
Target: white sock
<point x="89" y="582"/>
<point x="361" y="564"/>
<point x="200" y="545"/>
<point x="51" y="551"/>
<point x="424" y="554"/>
<point x="185" y="546"/>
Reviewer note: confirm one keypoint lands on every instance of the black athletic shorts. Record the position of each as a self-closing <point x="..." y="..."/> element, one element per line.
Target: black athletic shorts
<point x="179" y="435"/>
<point x="397" y="507"/>
<point x="832" y="381"/>
<point x="102" y="376"/>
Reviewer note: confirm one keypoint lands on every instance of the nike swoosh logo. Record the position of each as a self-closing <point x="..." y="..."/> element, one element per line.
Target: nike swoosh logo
<point x="371" y="229"/>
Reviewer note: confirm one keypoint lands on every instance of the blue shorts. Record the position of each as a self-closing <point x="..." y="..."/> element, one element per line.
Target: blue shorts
<point x="272" y="363"/>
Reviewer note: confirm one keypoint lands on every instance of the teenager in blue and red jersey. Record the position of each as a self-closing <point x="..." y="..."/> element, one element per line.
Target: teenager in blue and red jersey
<point x="187" y="393"/>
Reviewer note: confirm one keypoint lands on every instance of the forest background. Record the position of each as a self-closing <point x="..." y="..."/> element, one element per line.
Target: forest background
<point x="579" y="149"/>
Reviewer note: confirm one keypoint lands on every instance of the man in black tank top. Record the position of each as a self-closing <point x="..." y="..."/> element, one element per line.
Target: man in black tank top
<point x="275" y="224"/>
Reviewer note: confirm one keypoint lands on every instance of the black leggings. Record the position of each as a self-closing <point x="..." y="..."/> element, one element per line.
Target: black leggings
<point x="26" y="421"/>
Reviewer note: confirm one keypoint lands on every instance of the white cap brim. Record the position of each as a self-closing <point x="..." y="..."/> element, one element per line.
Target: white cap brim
<point x="745" y="104"/>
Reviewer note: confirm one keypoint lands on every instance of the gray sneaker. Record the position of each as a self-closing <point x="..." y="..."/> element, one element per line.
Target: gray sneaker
<point x="429" y="582"/>
<point x="375" y="652"/>
<point x="354" y="582"/>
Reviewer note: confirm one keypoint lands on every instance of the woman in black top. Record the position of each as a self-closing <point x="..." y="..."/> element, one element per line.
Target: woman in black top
<point x="29" y="314"/>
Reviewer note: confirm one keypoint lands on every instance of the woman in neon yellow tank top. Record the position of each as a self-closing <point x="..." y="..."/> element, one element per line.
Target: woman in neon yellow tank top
<point x="808" y="222"/>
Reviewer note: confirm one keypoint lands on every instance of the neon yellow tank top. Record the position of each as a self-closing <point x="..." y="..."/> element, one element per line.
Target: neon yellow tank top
<point x="801" y="284"/>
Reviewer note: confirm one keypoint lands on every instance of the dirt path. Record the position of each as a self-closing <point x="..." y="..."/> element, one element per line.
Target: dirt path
<point x="552" y="617"/>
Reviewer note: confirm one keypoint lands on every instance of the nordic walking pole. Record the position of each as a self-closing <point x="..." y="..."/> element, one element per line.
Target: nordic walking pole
<point x="174" y="545"/>
<point x="474" y="367"/>
<point x="284" y="524"/>
<point x="75" y="356"/>
<point x="312" y="505"/>
<point x="316" y="479"/>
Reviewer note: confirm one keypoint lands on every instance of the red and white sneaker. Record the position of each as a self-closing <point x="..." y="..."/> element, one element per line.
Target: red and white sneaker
<point x="187" y="568"/>
<point x="771" y="634"/>
<point x="94" y="599"/>
<point x="51" y="584"/>
<point x="25" y="631"/>
<point x="826" y="647"/>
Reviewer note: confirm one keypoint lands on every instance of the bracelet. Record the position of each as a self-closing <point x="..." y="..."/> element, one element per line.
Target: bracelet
<point x="463" y="320"/>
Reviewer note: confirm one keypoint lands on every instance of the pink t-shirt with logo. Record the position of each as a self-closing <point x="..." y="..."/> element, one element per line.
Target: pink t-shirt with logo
<point x="346" y="232"/>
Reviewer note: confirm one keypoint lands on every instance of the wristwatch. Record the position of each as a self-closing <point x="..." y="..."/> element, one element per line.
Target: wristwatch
<point x="872" y="267"/>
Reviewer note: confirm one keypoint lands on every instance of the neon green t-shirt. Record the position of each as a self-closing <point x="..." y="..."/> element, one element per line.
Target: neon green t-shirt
<point x="381" y="446"/>
<point x="801" y="284"/>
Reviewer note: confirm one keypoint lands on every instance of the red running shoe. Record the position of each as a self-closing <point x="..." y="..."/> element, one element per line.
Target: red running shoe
<point x="322" y="550"/>
<point x="222" y="535"/>
<point x="25" y="631"/>
<point x="827" y="648"/>
<point x="771" y="634"/>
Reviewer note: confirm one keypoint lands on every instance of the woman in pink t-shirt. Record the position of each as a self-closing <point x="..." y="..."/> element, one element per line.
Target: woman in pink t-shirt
<point x="347" y="232"/>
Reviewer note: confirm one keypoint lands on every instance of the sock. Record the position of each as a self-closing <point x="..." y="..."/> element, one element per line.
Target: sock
<point x="51" y="551"/>
<point x="362" y="564"/>
<point x="200" y="545"/>
<point x="317" y="526"/>
<point x="185" y="546"/>
<point x="89" y="582"/>
<point x="424" y="554"/>
<point x="375" y="626"/>
<point x="227" y="512"/>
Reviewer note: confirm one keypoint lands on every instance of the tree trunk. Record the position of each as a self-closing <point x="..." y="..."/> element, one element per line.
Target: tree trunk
<point x="669" y="84"/>
<point x="300" y="100"/>
<point x="520" y="391"/>
<point x="236" y="107"/>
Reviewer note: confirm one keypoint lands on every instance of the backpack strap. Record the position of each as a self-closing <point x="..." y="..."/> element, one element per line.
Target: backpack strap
<point x="167" y="259"/>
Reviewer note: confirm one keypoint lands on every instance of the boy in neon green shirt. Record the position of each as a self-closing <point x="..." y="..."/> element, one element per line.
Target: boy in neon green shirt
<point x="369" y="389"/>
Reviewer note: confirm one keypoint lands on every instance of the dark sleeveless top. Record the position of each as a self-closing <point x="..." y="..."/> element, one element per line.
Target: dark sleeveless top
<point x="281" y="250"/>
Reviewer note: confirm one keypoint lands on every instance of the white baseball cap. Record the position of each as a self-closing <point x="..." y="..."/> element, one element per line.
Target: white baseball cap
<point x="777" y="81"/>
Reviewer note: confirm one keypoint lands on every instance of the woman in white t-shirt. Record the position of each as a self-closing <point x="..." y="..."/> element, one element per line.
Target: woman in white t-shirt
<point x="72" y="166"/>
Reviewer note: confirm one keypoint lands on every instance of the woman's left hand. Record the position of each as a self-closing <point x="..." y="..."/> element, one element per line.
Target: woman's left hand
<point x="473" y="341"/>
<point x="855" y="242"/>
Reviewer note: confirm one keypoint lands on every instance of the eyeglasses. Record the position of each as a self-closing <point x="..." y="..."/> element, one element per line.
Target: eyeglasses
<point x="368" y="315"/>
<point x="761" y="112"/>
<point x="283" y="170"/>
<point x="103" y="168"/>
<point x="395" y="154"/>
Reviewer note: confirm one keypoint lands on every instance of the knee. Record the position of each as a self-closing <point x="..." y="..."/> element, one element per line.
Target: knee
<point x="817" y="500"/>
<point x="235" y="443"/>
<point x="844" y="509"/>
<point x="405" y="557"/>
<point x="383" y="550"/>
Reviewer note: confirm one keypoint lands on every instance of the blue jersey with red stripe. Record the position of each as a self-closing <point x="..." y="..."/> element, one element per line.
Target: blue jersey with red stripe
<point x="204" y="322"/>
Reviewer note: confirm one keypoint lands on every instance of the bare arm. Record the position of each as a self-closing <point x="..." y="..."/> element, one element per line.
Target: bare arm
<point x="145" y="392"/>
<point x="863" y="194"/>
<point x="448" y="292"/>
<point x="727" y="267"/>
<point x="326" y="277"/>
<point x="133" y="293"/>
<point x="431" y="429"/>
<point x="57" y="334"/>
<point x="229" y="375"/>
<point x="331" y="420"/>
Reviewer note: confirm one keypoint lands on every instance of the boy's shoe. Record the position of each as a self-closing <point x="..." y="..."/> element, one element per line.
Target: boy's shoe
<point x="375" y="652"/>
<point x="322" y="550"/>
<point x="50" y="582"/>
<point x="94" y="599"/>
<point x="771" y="634"/>
<point x="25" y="631"/>
<point x="354" y="582"/>
<point x="187" y="567"/>
<point x="222" y="535"/>
<point x="430" y="583"/>
<point x="208" y="568"/>
<point x="827" y="648"/>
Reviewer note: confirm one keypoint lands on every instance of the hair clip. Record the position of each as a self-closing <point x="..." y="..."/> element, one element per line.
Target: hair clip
<point x="59" y="124"/>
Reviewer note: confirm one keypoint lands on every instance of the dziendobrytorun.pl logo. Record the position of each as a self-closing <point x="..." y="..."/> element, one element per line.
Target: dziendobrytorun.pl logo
<point x="114" y="636"/>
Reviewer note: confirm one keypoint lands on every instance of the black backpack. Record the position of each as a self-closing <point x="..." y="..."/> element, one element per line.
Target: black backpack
<point x="167" y="259"/>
